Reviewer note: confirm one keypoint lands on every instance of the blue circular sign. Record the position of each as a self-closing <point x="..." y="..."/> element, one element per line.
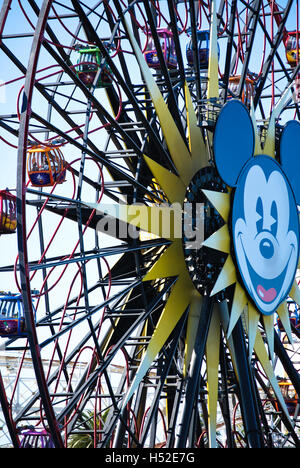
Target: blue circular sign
<point x="265" y="232"/>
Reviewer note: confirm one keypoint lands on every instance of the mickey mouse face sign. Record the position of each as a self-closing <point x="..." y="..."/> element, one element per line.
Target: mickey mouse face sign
<point x="265" y="227"/>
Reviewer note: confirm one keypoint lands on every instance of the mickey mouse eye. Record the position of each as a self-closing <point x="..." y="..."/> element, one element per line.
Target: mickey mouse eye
<point x="274" y="215"/>
<point x="259" y="215"/>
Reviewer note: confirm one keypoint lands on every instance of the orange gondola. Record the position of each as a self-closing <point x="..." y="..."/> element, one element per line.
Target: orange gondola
<point x="8" y="212"/>
<point x="289" y="395"/>
<point x="248" y="91"/>
<point x="46" y="166"/>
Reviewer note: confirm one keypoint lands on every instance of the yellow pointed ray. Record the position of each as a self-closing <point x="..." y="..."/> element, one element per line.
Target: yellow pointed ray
<point x="156" y="220"/>
<point x="262" y="355"/>
<point x="238" y="305"/>
<point x="269" y="147"/>
<point x="213" y="65"/>
<point x="196" y="143"/>
<point x="171" y="184"/>
<point x="295" y="293"/>
<point x="226" y="277"/>
<point x="252" y="323"/>
<point x="176" y="305"/>
<point x="212" y="364"/>
<point x="191" y="331"/>
<point x="221" y="202"/>
<point x="219" y="240"/>
<point x="258" y="148"/>
<point x="269" y="329"/>
<point x="284" y="317"/>
<point x="177" y="147"/>
<point x="170" y="263"/>
<point x="225" y="321"/>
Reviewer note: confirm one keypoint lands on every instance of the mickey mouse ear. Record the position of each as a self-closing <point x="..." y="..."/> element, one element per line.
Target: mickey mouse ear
<point x="234" y="141"/>
<point x="290" y="155"/>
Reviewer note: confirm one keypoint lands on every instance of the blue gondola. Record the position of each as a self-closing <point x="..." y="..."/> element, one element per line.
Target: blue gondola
<point x="203" y="38"/>
<point x="12" y="321"/>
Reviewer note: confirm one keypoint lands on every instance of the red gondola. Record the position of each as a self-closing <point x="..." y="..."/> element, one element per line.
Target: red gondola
<point x="168" y="50"/>
<point x="8" y="212"/>
<point x="46" y="166"/>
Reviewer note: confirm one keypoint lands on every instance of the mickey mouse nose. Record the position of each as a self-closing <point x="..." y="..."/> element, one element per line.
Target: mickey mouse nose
<point x="266" y="248"/>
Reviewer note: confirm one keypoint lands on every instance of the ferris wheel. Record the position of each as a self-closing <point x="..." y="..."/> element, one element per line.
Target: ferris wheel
<point x="153" y="226"/>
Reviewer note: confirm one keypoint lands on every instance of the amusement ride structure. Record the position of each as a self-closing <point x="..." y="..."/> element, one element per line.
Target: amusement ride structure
<point x="153" y="224"/>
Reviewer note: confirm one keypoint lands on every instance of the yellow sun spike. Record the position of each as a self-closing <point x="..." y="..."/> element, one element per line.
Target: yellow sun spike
<point x="284" y="317"/>
<point x="221" y="202"/>
<point x="177" y="304"/>
<point x="269" y="147"/>
<point x="295" y="293"/>
<point x="191" y="331"/>
<point x="196" y="143"/>
<point x="177" y="147"/>
<point x="262" y="355"/>
<point x="258" y="148"/>
<point x="253" y="319"/>
<point x="212" y="364"/>
<point x="163" y="220"/>
<point x="269" y="329"/>
<point x="226" y="278"/>
<point x="172" y="185"/>
<point x="225" y="320"/>
<point x="238" y="305"/>
<point x="170" y="263"/>
<point x="213" y="65"/>
<point x="219" y="240"/>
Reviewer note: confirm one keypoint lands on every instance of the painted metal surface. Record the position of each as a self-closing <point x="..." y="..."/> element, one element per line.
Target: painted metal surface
<point x="158" y="137"/>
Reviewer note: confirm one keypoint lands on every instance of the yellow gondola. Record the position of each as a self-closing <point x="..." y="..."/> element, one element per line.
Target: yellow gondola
<point x="46" y="166"/>
<point x="8" y="212"/>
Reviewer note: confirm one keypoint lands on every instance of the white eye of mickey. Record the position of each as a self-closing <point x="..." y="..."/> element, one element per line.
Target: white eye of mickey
<point x="259" y="215"/>
<point x="274" y="218"/>
<point x="266" y="220"/>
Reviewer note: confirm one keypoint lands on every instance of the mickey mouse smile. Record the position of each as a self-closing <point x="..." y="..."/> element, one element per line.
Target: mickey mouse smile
<point x="264" y="215"/>
<point x="265" y="241"/>
<point x="266" y="291"/>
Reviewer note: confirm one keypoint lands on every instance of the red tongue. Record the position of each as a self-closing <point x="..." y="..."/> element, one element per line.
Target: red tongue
<point x="266" y="296"/>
